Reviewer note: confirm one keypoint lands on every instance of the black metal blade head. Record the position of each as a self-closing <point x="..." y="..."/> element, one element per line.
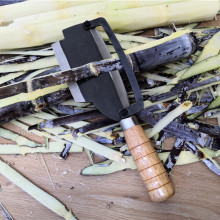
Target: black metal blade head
<point x="82" y="45"/>
<point x="80" y="48"/>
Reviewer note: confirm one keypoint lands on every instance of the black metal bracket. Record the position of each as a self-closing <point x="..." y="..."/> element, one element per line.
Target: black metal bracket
<point x="138" y="105"/>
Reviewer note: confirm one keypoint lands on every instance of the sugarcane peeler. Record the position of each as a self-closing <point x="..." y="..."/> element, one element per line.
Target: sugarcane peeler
<point x="83" y="44"/>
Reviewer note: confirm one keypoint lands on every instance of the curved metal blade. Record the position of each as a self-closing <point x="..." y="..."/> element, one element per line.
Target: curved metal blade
<point x="116" y="77"/>
<point x="80" y="47"/>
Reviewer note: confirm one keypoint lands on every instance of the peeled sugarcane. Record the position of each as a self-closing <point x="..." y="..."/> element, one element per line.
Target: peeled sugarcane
<point x="77" y="11"/>
<point x="123" y="20"/>
<point x="32" y="95"/>
<point x="32" y="7"/>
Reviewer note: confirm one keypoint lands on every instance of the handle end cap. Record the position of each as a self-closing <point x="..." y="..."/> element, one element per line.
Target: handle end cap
<point x="163" y="193"/>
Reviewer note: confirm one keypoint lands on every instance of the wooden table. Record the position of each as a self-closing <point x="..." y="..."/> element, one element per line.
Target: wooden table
<point x="117" y="196"/>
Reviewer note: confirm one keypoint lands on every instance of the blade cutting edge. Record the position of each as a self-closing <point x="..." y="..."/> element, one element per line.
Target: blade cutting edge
<point x="115" y="75"/>
<point x="64" y="65"/>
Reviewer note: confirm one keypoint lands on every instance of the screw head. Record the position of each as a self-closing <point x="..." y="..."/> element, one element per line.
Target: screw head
<point x="123" y="112"/>
<point x="87" y="24"/>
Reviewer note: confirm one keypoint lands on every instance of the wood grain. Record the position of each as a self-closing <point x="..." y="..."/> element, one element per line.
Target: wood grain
<point x="149" y="165"/>
<point x="197" y="192"/>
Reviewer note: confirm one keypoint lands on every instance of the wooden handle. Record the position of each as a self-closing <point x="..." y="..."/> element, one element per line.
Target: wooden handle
<point x="148" y="164"/>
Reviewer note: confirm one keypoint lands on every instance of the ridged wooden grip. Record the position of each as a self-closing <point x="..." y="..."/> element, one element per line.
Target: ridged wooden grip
<point x="148" y="164"/>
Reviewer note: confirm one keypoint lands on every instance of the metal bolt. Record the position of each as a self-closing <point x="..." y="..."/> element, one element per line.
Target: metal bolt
<point x="87" y="24"/>
<point x="123" y="112"/>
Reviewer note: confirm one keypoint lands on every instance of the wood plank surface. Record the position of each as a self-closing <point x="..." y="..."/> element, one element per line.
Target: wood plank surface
<point x="117" y="196"/>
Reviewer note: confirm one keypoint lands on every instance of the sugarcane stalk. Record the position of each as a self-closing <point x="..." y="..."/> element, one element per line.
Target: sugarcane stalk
<point x="167" y="50"/>
<point x="97" y="7"/>
<point x="21" y="109"/>
<point x="208" y="60"/>
<point x="32" y="93"/>
<point x="86" y="7"/>
<point x="78" y="11"/>
<point x="32" y="7"/>
<point x="120" y="21"/>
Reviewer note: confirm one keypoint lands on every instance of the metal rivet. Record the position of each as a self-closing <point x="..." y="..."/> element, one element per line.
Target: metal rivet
<point x="123" y="112"/>
<point x="87" y="24"/>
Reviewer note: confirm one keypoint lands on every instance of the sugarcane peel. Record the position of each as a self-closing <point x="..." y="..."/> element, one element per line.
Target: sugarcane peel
<point x="29" y="52"/>
<point x="108" y="167"/>
<point x="81" y="141"/>
<point x="212" y="48"/>
<point x="53" y="147"/>
<point x="20" y="140"/>
<point x="214" y="104"/>
<point x="169" y="118"/>
<point x="200" y="67"/>
<point x="99" y="149"/>
<point x="41" y="196"/>
<point x="41" y="63"/>
<point x="11" y="76"/>
<point x="29" y="120"/>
